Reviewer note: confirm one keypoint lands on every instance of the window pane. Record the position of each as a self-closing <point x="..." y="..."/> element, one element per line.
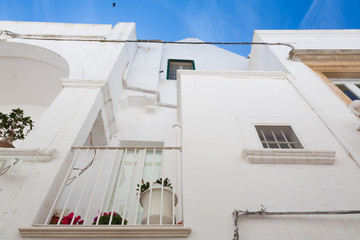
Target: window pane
<point x="179" y="65"/>
<point x="273" y="145"/>
<point x="283" y="145"/>
<point x="348" y="93"/>
<point x="278" y="137"/>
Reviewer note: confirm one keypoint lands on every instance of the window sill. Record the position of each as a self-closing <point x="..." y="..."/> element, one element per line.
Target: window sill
<point x="289" y="156"/>
<point x="105" y="232"/>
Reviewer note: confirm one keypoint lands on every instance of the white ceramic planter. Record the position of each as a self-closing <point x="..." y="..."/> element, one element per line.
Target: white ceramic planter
<point x="167" y="209"/>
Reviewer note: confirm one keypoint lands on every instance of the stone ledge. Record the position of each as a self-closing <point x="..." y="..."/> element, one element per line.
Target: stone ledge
<point x="105" y="232"/>
<point x="34" y="154"/>
<point x="289" y="156"/>
<point x="82" y="83"/>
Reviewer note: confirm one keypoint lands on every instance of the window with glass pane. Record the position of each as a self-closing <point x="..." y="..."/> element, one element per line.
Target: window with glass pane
<point x="124" y="179"/>
<point x="282" y="137"/>
<point x="349" y="86"/>
<point x="348" y="93"/>
<point x="174" y="65"/>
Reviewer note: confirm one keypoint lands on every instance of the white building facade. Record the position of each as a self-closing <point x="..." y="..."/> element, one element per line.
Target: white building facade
<point x="268" y="134"/>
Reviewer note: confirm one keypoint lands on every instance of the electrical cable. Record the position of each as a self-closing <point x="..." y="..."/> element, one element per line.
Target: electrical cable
<point x="54" y="38"/>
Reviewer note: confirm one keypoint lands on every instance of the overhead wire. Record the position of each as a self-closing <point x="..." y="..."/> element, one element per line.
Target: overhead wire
<point x="94" y="39"/>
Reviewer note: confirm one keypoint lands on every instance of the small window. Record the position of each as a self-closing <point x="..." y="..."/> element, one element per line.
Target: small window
<point x="347" y="92"/>
<point x="174" y="65"/>
<point x="349" y="86"/>
<point x="282" y="137"/>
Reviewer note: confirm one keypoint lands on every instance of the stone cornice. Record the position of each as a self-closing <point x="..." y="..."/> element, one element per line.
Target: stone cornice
<point x="325" y="55"/>
<point x="329" y="60"/>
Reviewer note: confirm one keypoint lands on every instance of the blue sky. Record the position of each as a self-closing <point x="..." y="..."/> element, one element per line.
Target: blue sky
<point x="208" y="20"/>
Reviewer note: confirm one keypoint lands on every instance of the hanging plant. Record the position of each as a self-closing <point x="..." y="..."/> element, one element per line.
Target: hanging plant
<point x="14" y="126"/>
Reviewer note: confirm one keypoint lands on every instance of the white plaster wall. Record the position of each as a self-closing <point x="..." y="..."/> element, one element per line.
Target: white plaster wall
<point x="27" y="81"/>
<point x="149" y="69"/>
<point x="70" y="116"/>
<point x="135" y="123"/>
<point x="218" y="114"/>
<point x="206" y="57"/>
<point x="88" y="60"/>
<point x="330" y="108"/>
<point x="145" y="68"/>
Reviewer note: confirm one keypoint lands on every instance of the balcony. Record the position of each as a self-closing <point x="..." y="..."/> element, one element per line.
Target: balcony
<point x="104" y="192"/>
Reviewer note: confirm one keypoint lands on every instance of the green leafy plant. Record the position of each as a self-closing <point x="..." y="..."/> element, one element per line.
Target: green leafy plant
<point x="105" y="219"/>
<point x="14" y="126"/>
<point x="145" y="186"/>
<point x="165" y="183"/>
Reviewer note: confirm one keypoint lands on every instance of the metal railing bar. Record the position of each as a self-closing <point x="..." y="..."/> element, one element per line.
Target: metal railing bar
<point x="151" y="186"/>
<point x="83" y="190"/>
<point x="104" y="195"/>
<point x="173" y="191"/>
<point x="180" y="199"/>
<point x="61" y="188"/>
<point x="72" y="187"/>
<point x="93" y="192"/>
<point x="130" y="185"/>
<point x="162" y="186"/>
<point x="140" y="183"/>
<point x="117" y="184"/>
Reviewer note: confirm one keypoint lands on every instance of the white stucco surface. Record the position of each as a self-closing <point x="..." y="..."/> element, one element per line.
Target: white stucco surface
<point x="116" y="94"/>
<point x="328" y="106"/>
<point x="73" y="81"/>
<point x="225" y="181"/>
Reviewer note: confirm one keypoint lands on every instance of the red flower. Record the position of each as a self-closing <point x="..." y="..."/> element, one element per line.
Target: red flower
<point x="67" y="219"/>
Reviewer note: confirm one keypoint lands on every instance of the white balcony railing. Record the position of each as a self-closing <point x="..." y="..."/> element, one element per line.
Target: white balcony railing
<point x="101" y="187"/>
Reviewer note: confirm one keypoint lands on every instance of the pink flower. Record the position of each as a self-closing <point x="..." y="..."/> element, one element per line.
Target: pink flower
<point x="67" y="219"/>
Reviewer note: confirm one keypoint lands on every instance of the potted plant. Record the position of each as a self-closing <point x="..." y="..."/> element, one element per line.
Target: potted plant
<point x="66" y="220"/>
<point x="169" y="199"/>
<point x="105" y="219"/>
<point x="14" y="126"/>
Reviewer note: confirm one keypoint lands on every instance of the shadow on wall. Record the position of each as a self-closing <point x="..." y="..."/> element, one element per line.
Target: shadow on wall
<point x="30" y="78"/>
